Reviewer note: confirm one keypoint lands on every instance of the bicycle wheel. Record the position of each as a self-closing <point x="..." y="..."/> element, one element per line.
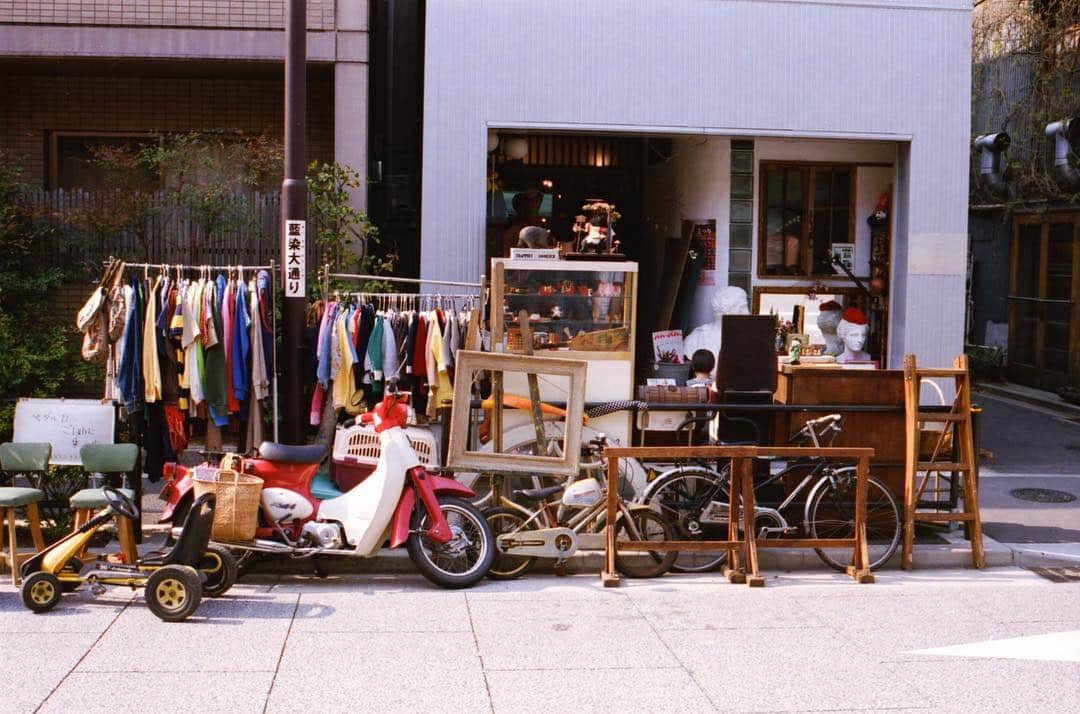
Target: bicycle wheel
<point x="646" y="525"/>
<point x="506" y="566"/>
<point x="831" y="514"/>
<point x="683" y="497"/>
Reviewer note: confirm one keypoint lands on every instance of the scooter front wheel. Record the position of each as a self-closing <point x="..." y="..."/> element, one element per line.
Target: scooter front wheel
<point x="466" y="558"/>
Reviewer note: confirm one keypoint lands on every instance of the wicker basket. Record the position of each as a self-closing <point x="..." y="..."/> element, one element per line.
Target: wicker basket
<point x="237" y="509"/>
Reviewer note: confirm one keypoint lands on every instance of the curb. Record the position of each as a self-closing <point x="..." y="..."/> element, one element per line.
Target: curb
<point x="956" y="553"/>
<point x="1041" y="555"/>
<point x="1057" y="404"/>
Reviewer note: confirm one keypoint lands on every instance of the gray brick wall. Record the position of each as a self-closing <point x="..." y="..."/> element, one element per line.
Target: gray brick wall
<point x="164" y="13"/>
<point x="36" y="105"/>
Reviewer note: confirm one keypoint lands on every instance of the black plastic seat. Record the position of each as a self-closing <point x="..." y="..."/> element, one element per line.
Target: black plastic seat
<point x="286" y="454"/>
<point x="539" y="494"/>
<point x="194" y="536"/>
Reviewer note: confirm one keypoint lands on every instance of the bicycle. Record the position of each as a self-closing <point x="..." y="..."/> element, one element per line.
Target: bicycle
<point x="523" y="535"/>
<point x="695" y="498"/>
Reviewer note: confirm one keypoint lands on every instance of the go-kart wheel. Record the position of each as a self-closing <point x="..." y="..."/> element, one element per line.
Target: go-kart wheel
<point x="219" y="566"/>
<point x="173" y="592"/>
<point x="74" y="567"/>
<point x="41" y="591"/>
<point x="120" y="504"/>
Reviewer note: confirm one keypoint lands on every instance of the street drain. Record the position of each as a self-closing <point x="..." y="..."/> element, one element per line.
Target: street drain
<point x="1043" y="495"/>
<point x="1058" y="575"/>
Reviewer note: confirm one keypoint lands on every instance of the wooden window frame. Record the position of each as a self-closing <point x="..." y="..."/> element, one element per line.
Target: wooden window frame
<point x="54" y="146"/>
<point x="805" y="252"/>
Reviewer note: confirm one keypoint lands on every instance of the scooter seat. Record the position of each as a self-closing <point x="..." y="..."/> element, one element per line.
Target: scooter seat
<point x="287" y="454"/>
<point x="323" y="488"/>
<point x="539" y="494"/>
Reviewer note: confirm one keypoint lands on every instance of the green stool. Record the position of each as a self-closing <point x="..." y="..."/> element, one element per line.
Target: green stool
<point x="24" y="459"/>
<point x="106" y="460"/>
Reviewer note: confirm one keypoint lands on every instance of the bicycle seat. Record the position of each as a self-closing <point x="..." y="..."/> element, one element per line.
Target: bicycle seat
<point x="539" y="494"/>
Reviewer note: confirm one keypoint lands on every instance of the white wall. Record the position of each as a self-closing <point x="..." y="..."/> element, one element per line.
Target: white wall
<point x="871" y="69"/>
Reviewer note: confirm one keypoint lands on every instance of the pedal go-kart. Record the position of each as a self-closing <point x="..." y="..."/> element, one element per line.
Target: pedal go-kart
<point x="175" y="579"/>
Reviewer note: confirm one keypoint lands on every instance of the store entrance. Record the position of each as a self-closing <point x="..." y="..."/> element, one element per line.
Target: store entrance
<point x="1044" y="303"/>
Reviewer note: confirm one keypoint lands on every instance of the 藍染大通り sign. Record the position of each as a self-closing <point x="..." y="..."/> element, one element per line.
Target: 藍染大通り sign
<point x="295" y="256"/>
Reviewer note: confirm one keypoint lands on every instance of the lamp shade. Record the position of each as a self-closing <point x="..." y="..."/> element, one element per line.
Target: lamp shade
<point x="516" y="148"/>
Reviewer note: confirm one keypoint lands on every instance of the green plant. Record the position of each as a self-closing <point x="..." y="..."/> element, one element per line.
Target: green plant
<point x="345" y="233"/>
<point x="986" y="363"/>
<point x="40" y="356"/>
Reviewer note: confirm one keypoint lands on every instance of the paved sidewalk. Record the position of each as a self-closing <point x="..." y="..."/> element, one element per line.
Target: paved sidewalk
<point x="808" y="641"/>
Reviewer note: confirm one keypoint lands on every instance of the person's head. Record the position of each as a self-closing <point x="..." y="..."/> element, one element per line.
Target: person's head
<point x="527" y="203"/>
<point x="729" y="300"/>
<point x="702" y="363"/>
<point x="853" y="330"/>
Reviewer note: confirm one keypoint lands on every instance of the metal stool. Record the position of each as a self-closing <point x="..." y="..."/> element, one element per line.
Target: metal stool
<point x="26" y="459"/>
<point x="107" y="460"/>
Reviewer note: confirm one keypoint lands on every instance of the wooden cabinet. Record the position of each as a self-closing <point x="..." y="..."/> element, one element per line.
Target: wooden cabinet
<point x="884" y="431"/>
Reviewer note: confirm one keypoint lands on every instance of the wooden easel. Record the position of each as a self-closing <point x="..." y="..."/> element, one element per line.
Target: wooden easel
<point x="959" y="418"/>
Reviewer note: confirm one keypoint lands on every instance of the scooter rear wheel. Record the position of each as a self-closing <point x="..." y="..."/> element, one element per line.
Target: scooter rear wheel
<point x="466" y="558"/>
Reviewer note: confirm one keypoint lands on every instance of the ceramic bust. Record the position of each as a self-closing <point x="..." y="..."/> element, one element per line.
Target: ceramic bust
<point x="827" y="320"/>
<point x="853" y="332"/>
<point x="727" y="300"/>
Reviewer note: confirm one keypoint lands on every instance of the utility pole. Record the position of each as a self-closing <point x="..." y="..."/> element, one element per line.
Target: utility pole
<point x="294" y="221"/>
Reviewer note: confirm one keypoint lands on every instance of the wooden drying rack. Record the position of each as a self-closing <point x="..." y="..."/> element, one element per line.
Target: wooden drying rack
<point x="742" y="563"/>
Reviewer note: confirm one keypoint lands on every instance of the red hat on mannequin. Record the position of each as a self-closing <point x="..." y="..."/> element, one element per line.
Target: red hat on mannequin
<point x="830" y="305"/>
<point x="855" y="316"/>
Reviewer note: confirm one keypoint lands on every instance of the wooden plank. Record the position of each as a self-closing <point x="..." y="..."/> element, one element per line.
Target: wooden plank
<point x="943" y="517"/>
<point x="688" y="546"/>
<point x="940" y="417"/>
<point x="534" y="385"/>
<point x="942" y="466"/>
<point x="911" y="457"/>
<point x="675" y="453"/>
<point x="745" y="469"/>
<point x="609" y="576"/>
<point x="670" y="290"/>
<point x="805" y="543"/>
<point x="939" y="372"/>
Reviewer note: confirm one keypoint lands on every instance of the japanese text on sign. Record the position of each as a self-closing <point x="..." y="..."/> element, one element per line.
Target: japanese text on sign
<point x="295" y="252"/>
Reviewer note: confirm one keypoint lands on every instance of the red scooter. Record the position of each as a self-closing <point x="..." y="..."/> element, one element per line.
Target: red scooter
<point x="302" y="514"/>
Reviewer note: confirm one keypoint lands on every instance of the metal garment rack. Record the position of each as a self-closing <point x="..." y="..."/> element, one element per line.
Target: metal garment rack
<point x="273" y="311"/>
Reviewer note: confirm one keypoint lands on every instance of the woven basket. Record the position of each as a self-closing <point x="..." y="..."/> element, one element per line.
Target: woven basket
<point x="237" y="508"/>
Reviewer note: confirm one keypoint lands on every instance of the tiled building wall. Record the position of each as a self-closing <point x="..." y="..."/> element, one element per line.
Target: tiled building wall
<point x="170" y="13"/>
<point x="36" y="105"/>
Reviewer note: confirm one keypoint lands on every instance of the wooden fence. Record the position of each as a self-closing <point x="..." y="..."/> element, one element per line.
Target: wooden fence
<point x="167" y="233"/>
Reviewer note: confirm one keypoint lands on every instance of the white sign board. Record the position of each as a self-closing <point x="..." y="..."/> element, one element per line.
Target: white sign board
<point x="846" y="253"/>
<point x="67" y="424"/>
<point x="295" y="257"/>
<point x="534" y="254"/>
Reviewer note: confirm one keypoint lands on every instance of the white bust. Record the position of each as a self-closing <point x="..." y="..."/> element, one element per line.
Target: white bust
<point x="853" y="335"/>
<point x="827" y="322"/>
<point x="727" y="300"/>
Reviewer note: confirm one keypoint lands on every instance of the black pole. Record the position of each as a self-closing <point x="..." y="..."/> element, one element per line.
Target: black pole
<point x="294" y="222"/>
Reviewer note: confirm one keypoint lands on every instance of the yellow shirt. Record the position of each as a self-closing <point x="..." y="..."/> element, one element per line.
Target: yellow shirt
<point x="150" y="366"/>
<point x="344" y="384"/>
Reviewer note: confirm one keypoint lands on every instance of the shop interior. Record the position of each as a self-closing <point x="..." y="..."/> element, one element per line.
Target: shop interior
<point x="694" y="225"/>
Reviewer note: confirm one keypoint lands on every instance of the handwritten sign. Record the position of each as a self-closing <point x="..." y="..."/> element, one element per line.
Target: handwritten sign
<point x="67" y="424"/>
<point x="295" y="258"/>
<point x="534" y="254"/>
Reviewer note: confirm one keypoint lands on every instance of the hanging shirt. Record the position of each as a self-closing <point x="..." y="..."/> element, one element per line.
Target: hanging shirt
<point x="129" y="371"/>
<point x="151" y="367"/>
<point x="215" y="361"/>
<point x="438" y="379"/>
<point x="191" y="341"/>
<point x="227" y="306"/>
<point x="170" y="379"/>
<point x="241" y="345"/>
<point x="410" y="342"/>
<point x="389" y="348"/>
<point x="419" y="359"/>
<point x="343" y="378"/>
<point x="266" y="316"/>
<point x="260" y="381"/>
<point x="374" y="363"/>
<point x="323" y="371"/>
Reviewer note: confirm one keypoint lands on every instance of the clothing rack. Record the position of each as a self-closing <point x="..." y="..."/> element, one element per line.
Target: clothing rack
<point x="271" y="268"/>
<point x="390" y="279"/>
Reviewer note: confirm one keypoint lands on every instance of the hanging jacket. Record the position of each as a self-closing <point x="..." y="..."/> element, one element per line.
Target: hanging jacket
<point x="241" y="345"/>
<point x="215" y="362"/>
<point x="129" y="371"/>
<point x="151" y="368"/>
<point x="410" y="342"/>
<point x="323" y="373"/>
<point x="266" y="316"/>
<point x="389" y="348"/>
<point x="374" y="363"/>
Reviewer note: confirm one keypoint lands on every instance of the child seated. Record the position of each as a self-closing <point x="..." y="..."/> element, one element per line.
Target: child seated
<point x="702" y="363"/>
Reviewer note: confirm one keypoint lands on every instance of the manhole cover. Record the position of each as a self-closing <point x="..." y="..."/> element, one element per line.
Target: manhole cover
<point x="1042" y="495"/>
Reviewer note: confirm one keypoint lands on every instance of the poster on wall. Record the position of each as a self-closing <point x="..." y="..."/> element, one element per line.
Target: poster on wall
<point x="704" y="242"/>
<point x="668" y="347"/>
<point x="846" y="253"/>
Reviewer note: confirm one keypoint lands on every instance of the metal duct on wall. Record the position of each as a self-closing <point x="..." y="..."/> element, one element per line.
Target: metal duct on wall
<point x="1065" y="134"/>
<point x="991" y="149"/>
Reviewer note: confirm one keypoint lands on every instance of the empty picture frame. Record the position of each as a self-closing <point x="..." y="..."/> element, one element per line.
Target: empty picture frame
<point x="468" y="364"/>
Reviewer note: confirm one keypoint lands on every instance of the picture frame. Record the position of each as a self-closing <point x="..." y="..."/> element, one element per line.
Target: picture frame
<point x="468" y="364"/>
<point x="802" y="337"/>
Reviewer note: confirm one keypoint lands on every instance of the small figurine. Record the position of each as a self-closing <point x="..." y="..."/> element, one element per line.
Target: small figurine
<point x="599" y="231"/>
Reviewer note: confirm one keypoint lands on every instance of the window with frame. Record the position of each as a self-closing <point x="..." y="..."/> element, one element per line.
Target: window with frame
<point x="804" y="210"/>
<point x="100" y="161"/>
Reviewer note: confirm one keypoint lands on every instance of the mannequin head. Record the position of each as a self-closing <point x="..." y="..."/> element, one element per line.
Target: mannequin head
<point x="829" y="317"/>
<point x="729" y="300"/>
<point x="853" y="332"/>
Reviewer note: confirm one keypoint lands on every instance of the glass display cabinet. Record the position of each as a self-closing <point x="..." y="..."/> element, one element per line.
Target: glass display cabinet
<point x="578" y="309"/>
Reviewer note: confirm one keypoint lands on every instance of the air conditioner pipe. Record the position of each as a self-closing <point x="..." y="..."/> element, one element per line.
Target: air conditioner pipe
<point x="991" y="149"/>
<point x="1065" y="135"/>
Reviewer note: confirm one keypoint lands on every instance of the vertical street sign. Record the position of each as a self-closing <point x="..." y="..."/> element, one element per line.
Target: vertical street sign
<point x="295" y="255"/>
